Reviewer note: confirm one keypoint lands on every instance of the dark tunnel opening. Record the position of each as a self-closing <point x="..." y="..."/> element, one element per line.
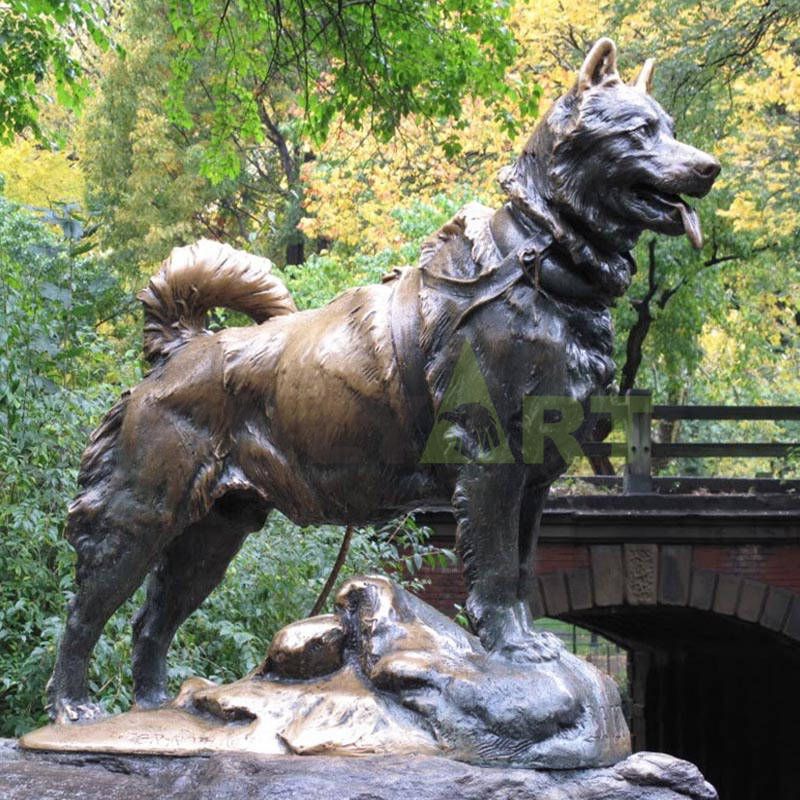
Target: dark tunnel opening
<point x="719" y="692"/>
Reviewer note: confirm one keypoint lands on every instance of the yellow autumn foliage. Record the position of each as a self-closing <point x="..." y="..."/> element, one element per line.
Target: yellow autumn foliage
<point x="355" y="183"/>
<point x="762" y="149"/>
<point x="37" y="176"/>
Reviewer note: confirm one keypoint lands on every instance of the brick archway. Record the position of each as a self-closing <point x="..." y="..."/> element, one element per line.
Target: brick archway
<point x="714" y="656"/>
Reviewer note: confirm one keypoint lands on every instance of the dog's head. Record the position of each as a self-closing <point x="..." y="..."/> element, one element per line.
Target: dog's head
<point x="606" y="160"/>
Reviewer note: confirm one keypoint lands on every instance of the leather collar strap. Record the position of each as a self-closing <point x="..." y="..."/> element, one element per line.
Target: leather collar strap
<point x="522" y="264"/>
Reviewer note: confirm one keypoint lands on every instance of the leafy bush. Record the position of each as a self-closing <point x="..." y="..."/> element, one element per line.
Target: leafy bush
<point x="49" y="399"/>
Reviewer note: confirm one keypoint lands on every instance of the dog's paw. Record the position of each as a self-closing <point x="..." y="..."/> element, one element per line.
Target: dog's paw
<point x="66" y="712"/>
<point x="658" y="769"/>
<point x="531" y="649"/>
<point x="150" y="700"/>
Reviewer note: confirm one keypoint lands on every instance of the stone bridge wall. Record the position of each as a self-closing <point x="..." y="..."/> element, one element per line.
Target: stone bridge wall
<point x="759" y="584"/>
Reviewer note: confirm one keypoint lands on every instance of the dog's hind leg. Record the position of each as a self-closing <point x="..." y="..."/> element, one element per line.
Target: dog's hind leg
<point x="112" y="562"/>
<point x="187" y="572"/>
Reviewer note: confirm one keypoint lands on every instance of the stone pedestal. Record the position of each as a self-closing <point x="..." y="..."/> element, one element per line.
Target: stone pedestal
<point x="26" y="775"/>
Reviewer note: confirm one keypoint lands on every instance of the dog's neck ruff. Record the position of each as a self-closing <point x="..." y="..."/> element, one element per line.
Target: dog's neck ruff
<point x="554" y="258"/>
<point x="465" y="268"/>
<point x="609" y="272"/>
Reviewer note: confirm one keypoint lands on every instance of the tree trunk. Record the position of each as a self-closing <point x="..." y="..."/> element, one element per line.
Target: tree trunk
<point x="295" y="253"/>
<point x="633" y="358"/>
<point x="637" y="336"/>
<point x="290" y="164"/>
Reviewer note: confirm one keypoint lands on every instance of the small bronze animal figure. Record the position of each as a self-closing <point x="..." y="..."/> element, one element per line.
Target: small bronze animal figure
<point x="324" y="414"/>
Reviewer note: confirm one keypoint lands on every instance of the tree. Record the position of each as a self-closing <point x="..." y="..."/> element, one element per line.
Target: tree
<point x="57" y="373"/>
<point x="358" y="181"/>
<point x="724" y="71"/>
<point x="374" y="63"/>
<point x="38" y="176"/>
<point x="37" y="40"/>
<point x="729" y="73"/>
<point x="280" y="72"/>
<point x="144" y="173"/>
<point x="240" y="129"/>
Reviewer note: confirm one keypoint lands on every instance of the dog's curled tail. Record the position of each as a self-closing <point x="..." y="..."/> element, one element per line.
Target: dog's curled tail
<point x="202" y="276"/>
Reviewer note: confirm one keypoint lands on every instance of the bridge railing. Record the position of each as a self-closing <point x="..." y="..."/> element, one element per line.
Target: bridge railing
<point x="641" y="449"/>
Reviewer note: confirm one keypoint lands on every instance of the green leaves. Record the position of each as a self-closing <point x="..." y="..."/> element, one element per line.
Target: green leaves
<point x="371" y="63"/>
<point x="36" y="41"/>
<point x="54" y="374"/>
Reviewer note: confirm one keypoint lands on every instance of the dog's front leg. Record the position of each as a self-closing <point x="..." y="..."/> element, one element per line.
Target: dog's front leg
<point x="486" y="502"/>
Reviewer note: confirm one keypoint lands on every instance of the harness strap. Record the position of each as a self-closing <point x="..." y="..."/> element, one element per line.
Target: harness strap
<point x="405" y="326"/>
<point x="404" y="316"/>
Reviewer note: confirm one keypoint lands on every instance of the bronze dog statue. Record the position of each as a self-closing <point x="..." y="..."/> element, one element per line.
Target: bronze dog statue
<point x="324" y="414"/>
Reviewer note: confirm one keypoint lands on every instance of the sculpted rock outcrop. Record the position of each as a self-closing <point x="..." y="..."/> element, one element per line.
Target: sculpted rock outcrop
<point x="385" y="674"/>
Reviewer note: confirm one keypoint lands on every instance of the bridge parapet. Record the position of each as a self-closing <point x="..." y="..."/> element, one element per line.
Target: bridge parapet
<point x="639" y="448"/>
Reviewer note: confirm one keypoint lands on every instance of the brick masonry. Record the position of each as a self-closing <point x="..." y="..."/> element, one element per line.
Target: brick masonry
<point x="759" y="584"/>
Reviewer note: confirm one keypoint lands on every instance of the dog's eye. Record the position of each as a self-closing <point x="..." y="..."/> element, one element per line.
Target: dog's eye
<point x="645" y="129"/>
<point x="642" y="133"/>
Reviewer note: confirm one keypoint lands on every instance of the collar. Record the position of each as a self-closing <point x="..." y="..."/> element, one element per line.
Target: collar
<point x="609" y="272"/>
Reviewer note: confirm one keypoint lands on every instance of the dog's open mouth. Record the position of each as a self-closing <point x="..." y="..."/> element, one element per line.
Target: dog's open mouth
<point x="673" y="206"/>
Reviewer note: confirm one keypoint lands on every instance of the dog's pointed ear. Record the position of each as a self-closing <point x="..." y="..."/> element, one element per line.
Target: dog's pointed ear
<point x="599" y="66"/>
<point x="644" y="80"/>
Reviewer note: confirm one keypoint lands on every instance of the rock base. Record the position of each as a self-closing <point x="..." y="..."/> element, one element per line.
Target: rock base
<point x="385" y="675"/>
<point x="431" y="714"/>
<point x="26" y="775"/>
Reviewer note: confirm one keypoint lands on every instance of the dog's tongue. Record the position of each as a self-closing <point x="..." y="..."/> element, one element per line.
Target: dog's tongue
<point x="691" y="224"/>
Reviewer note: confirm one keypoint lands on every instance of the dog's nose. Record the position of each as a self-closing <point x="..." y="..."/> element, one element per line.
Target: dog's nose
<point x="708" y="169"/>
